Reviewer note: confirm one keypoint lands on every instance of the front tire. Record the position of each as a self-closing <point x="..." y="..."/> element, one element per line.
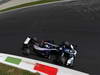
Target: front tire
<point x="70" y="62"/>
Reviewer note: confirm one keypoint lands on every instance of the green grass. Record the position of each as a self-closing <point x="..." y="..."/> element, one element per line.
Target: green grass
<point x="9" y="70"/>
<point x="28" y="4"/>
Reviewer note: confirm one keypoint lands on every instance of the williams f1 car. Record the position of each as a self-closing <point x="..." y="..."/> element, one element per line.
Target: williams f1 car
<point x="63" y="54"/>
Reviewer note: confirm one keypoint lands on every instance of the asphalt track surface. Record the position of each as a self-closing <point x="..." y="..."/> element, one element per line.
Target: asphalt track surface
<point x="77" y="22"/>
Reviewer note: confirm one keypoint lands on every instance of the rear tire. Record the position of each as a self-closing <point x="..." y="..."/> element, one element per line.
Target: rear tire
<point x="26" y="51"/>
<point x="52" y="58"/>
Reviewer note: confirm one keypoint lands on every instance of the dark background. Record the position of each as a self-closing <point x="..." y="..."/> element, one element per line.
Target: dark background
<point x="76" y="21"/>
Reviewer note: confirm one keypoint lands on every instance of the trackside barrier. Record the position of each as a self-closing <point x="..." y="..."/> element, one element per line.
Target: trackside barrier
<point x="37" y="66"/>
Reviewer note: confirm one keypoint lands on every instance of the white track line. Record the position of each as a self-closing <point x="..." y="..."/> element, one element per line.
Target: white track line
<point x="43" y="4"/>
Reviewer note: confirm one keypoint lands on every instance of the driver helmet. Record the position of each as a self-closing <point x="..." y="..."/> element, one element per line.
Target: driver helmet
<point x="67" y="43"/>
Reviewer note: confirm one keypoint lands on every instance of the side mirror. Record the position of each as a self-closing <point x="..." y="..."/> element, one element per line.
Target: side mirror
<point x="72" y="47"/>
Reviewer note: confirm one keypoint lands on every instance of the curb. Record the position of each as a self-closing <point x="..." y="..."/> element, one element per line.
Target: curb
<point x="12" y="3"/>
<point x="37" y="5"/>
<point x="36" y="66"/>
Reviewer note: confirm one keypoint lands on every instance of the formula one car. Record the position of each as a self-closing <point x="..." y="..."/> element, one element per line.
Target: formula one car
<point x="63" y="54"/>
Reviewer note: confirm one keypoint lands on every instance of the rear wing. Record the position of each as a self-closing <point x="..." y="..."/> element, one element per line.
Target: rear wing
<point x="27" y="40"/>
